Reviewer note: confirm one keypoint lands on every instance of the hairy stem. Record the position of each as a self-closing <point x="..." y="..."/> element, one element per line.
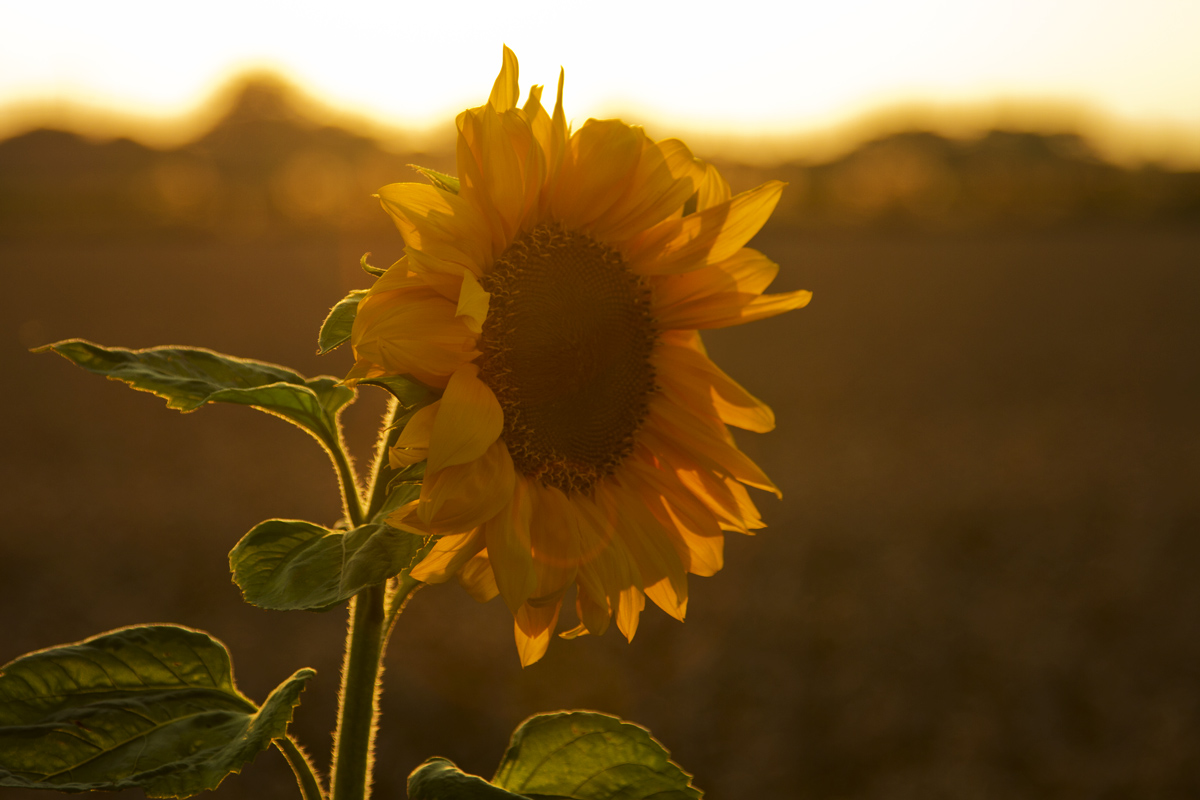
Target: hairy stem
<point x="358" y="706"/>
<point x="366" y="638"/>
<point x="306" y="774"/>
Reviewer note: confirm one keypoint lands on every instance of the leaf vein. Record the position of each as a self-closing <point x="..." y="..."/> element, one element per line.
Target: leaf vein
<point x="119" y="745"/>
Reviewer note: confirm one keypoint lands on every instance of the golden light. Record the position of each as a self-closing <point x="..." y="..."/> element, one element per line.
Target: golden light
<point x="758" y="70"/>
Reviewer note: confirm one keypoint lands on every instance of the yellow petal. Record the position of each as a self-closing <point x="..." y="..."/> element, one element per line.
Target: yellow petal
<point x="629" y="610"/>
<point x="722" y="495"/>
<point x="463" y="496"/>
<point x="501" y="167"/>
<point x="707" y="443"/>
<point x="596" y="170"/>
<point x="477" y="578"/>
<point x="448" y="553"/>
<point x="712" y="189"/>
<point x="469" y="421"/>
<point x="606" y="572"/>
<point x="706" y="237"/>
<point x="442" y="225"/>
<point x="553" y="538"/>
<point x="724" y="310"/>
<point x="682" y="515"/>
<point x="533" y="625"/>
<point x="746" y="272"/>
<point x="664" y="179"/>
<point x="509" y="548"/>
<point x="698" y="382"/>
<point x="411" y="331"/>
<point x="412" y="445"/>
<point x="653" y="552"/>
<point x="505" y="92"/>
<point x="472" y="303"/>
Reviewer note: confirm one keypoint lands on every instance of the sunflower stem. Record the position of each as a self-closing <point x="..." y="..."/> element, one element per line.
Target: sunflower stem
<point x="358" y="703"/>
<point x="371" y="619"/>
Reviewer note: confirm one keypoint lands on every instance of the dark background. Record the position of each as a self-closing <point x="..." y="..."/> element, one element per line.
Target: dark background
<point x="980" y="583"/>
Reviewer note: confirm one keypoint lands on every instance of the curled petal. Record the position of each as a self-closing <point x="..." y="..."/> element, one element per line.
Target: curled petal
<point x="473" y="303"/>
<point x="712" y="189"/>
<point x="448" y="553"/>
<point x="463" y="496"/>
<point x="441" y="225"/>
<point x="477" y="578"/>
<point x="411" y="331"/>
<point x="412" y="445"/>
<point x="469" y="421"/>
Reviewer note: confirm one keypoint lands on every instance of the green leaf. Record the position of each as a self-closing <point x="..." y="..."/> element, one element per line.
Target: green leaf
<point x="439" y="779"/>
<point x="441" y="180"/>
<point x="335" y="330"/>
<point x="289" y="565"/>
<point x="370" y="270"/>
<point x="584" y="755"/>
<point x="153" y="707"/>
<point x="189" y="377"/>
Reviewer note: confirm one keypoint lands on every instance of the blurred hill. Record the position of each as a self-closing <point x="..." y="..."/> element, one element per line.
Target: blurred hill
<point x="267" y="170"/>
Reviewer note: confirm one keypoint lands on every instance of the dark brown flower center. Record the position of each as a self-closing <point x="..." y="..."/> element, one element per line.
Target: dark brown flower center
<point x="566" y="349"/>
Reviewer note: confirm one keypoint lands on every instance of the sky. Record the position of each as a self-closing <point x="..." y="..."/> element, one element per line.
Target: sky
<point x="743" y="68"/>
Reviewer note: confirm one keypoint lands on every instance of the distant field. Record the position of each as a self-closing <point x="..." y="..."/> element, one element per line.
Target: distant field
<point x="981" y="581"/>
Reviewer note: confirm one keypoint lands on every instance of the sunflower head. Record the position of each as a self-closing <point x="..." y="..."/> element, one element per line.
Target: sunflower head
<point x="556" y="300"/>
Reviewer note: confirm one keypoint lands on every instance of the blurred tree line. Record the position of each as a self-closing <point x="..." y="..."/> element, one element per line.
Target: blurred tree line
<point x="266" y="170"/>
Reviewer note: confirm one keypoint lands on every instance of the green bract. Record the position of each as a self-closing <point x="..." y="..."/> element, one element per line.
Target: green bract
<point x="335" y="330"/>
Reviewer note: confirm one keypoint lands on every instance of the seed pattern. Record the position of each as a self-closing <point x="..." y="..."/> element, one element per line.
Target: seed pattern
<point x="566" y="349"/>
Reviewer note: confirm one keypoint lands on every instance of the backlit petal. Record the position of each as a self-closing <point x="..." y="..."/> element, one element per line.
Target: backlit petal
<point x="510" y="550"/>
<point x="448" y="553"/>
<point x="699" y="383"/>
<point x="533" y="625"/>
<point x="464" y="496"/>
<point x="706" y="237"/>
<point x="469" y="421"/>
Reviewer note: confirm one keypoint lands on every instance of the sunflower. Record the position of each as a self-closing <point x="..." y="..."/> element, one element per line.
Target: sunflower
<point x="555" y="298"/>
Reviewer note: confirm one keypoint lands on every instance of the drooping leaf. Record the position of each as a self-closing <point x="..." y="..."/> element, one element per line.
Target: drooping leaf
<point x="335" y="330"/>
<point x="289" y="565"/>
<point x="441" y="180"/>
<point x="152" y="706"/>
<point x="439" y="779"/>
<point x="584" y="755"/>
<point x="189" y="377"/>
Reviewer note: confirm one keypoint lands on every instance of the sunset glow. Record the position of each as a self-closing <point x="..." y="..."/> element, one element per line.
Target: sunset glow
<point x="750" y="69"/>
